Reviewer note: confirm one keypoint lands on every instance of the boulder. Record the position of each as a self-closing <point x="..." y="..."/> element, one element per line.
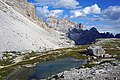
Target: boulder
<point x="96" y="51"/>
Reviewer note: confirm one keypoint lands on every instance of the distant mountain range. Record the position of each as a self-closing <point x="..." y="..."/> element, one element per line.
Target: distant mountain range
<point x="78" y="35"/>
<point x="82" y="37"/>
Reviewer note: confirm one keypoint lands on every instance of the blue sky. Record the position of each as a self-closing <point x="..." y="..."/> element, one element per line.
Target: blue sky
<point x="104" y="15"/>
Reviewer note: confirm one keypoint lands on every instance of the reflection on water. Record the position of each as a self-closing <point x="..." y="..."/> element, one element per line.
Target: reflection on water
<point x="44" y="69"/>
<point x="49" y="68"/>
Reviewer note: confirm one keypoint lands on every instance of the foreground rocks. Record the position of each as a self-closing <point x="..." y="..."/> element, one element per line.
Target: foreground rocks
<point x="105" y="71"/>
<point x="104" y="68"/>
<point x="96" y="51"/>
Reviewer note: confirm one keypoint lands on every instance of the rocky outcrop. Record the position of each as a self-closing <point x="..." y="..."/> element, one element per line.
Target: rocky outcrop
<point x="105" y="71"/>
<point x="82" y="37"/>
<point x="96" y="51"/>
<point x="24" y="8"/>
<point x="62" y="25"/>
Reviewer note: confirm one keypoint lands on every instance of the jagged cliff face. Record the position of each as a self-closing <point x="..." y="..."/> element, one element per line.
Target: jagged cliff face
<point x="27" y="10"/>
<point x="62" y="25"/>
<point x="24" y="8"/>
<point x="82" y="37"/>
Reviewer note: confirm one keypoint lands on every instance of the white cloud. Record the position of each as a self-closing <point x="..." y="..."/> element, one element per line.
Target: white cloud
<point x="110" y="17"/>
<point x="76" y="13"/>
<point x="112" y="13"/>
<point x="44" y="12"/>
<point x="56" y="13"/>
<point x="44" y="2"/>
<point x="108" y="28"/>
<point x="67" y="4"/>
<point x="37" y="0"/>
<point x="65" y="16"/>
<point x="94" y="9"/>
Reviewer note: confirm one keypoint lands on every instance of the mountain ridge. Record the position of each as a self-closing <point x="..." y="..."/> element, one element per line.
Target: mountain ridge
<point x="24" y="8"/>
<point x="82" y="37"/>
<point x="18" y="33"/>
<point x="61" y="25"/>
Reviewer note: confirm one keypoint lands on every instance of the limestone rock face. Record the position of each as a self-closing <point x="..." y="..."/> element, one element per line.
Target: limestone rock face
<point x="17" y="33"/>
<point x="62" y="25"/>
<point x="96" y="50"/>
<point x="24" y="8"/>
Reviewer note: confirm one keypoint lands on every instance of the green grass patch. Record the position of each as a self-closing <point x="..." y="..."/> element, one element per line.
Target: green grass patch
<point x="76" y="54"/>
<point x="5" y="71"/>
<point x="113" y="52"/>
<point x="88" y="65"/>
<point x="7" y="59"/>
<point x="111" y="43"/>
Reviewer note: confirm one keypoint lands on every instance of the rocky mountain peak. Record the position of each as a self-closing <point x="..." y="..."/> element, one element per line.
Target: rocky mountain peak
<point x="82" y="37"/>
<point x="24" y="8"/>
<point x="62" y="25"/>
<point x="93" y="29"/>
